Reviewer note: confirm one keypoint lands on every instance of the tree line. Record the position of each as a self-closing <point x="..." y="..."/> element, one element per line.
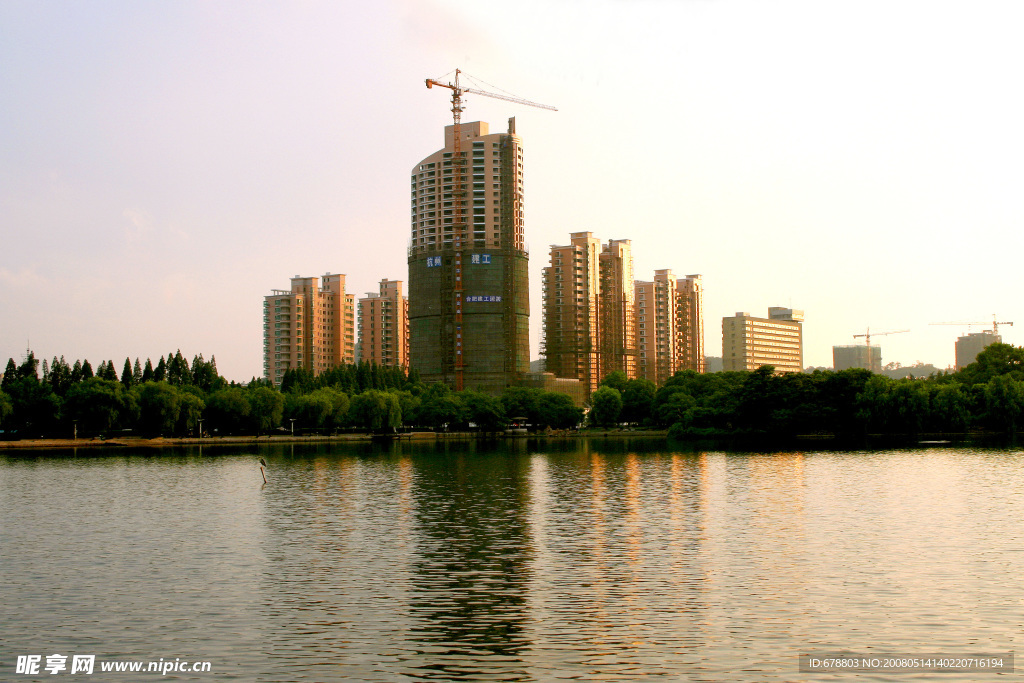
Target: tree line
<point x="987" y="395"/>
<point x="178" y="398"/>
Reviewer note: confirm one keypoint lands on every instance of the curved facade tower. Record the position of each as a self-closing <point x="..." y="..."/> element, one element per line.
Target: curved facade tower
<point x="469" y="307"/>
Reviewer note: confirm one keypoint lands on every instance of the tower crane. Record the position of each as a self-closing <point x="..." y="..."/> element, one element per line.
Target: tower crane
<point x="871" y="365"/>
<point x="995" y="323"/>
<point x="867" y="335"/>
<point x="459" y="224"/>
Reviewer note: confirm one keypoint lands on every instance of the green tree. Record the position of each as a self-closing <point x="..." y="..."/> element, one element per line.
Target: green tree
<point x="484" y="410"/>
<point x="190" y="413"/>
<point x="6" y="409"/>
<point x="909" y="405"/>
<point x="376" y="411"/>
<point x="994" y="360"/>
<point x="159" y="407"/>
<point x="440" y="407"/>
<point x="60" y="376"/>
<point x="228" y="410"/>
<point x="558" y="411"/>
<point x="126" y="374"/>
<point x="673" y="407"/>
<point x="873" y="404"/>
<point x="267" y="408"/>
<point x="107" y="371"/>
<point x="87" y="372"/>
<point x="523" y="402"/>
<point x="98" y="404"/>
<point x="638" y="401"/>
<point x="77" y="372"/>
<point x="10" y="375"/>
<point x="1004" y="402"/>
<point x="313" y="410"/>
<point x="605" y="406"/>
<point x="948" y="408"/>
<point x="410" y="406"/>
<point x="29" y="369"/>
<point x="148" y="374"/>
<point x="178" y="372"/>
<point x="616" y="380"/>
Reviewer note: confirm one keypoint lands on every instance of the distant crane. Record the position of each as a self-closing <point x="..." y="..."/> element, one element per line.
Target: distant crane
<point x="459" y="225"/>
<point x="995" y="323"/>
<point x="871" y="365"/>
<point x="867" y="335"/>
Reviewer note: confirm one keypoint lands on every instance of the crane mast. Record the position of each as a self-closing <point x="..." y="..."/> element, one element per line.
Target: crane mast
<point x="459" y="222"/>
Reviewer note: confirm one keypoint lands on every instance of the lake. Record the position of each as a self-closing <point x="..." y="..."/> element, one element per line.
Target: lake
<point x="511" y="561"/>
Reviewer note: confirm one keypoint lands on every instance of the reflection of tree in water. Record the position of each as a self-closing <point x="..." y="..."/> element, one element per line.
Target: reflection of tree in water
<point x="470" y="573"/>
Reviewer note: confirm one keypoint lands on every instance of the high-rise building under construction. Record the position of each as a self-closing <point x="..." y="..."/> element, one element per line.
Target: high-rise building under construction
<point x="469" y="303"/>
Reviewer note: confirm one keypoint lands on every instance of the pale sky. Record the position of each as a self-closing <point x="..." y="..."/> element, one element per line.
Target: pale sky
<point x="164" y="165"/>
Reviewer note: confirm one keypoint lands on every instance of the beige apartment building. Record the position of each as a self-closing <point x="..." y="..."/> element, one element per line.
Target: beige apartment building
<point x="749" y="342"/>
<point x="656" y="326"/>
<point x="669" y="325"/>
<point x="617" y="310"/>
<point x="689" y="310"/>
<point x="598" y="319"/>
<point x="571" y="286"/>
<point x="308" y="326"/>
<point x="384" y="326"/>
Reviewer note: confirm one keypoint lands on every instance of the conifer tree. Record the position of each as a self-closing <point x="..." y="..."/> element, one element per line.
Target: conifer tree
<point x="76" y="373"/>
<point x="126" y="374"/>
<point x="148" y="373"/>
<point x="137" y="373"/>
<point x="87" y="372"/>
<point x="10" y="374"/>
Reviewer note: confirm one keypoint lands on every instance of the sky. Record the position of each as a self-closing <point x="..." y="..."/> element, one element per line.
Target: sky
<point x="164" y="166"/>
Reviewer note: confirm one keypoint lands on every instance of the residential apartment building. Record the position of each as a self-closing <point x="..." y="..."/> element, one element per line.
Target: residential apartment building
<point x="309" y="326"/>
<point x="749" y="342"/>
<point x="383" y="320"/>
<point x="571" y="287"/>
<point x="598" y="319"/>
<point x="669" y="325"/>
<point x="689" y="311"/>
<point x="469" y="305"/>
<point x="656" y="326"/>
<point x="617" y="311"/>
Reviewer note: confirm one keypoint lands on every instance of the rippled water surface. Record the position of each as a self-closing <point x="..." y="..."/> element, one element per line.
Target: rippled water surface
<point x="522" y="562"/>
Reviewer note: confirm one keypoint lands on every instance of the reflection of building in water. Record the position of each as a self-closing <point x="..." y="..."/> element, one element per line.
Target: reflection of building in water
<point x="470" y="566"/>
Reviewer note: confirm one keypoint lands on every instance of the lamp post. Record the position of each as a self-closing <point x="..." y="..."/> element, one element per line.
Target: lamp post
<point x="200" y="427"/>
<point x="292" y="420"/>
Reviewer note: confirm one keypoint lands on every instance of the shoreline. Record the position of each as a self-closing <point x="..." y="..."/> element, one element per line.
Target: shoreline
<point x="164" y="442"/>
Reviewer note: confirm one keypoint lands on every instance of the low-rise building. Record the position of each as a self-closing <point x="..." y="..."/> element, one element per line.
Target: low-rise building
<point x="749" y="343"/>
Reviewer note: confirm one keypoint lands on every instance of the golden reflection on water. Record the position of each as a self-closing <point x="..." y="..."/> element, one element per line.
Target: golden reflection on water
<point x="471" y="562"/>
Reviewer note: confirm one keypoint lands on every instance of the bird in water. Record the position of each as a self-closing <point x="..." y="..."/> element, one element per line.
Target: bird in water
<point x="263" y="463"/>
